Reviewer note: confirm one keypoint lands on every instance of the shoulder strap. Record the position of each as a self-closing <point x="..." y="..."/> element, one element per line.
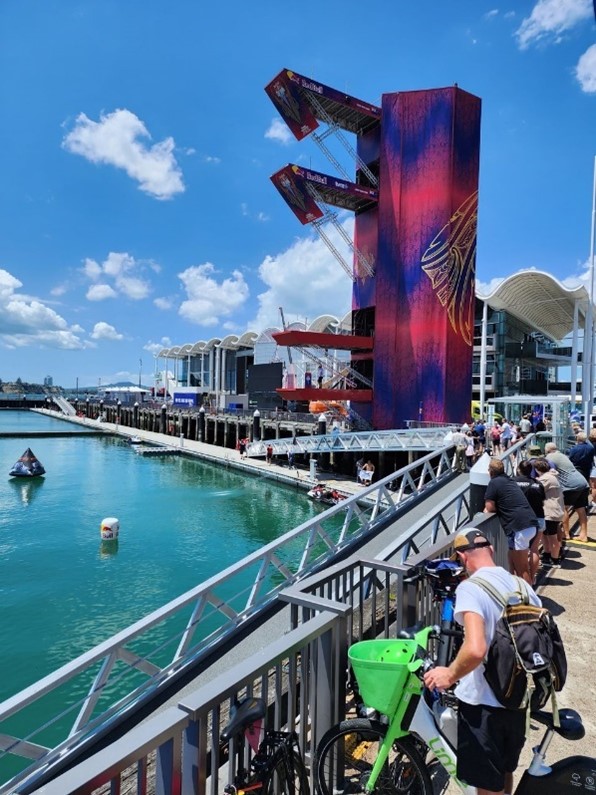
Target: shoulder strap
<point x="499" y="598"/>
<point x="522" y="590"/>
<point x="490" y="589"/>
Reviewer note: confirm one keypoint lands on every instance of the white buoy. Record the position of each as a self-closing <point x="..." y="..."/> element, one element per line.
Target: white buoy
<point x="109" y="529"/>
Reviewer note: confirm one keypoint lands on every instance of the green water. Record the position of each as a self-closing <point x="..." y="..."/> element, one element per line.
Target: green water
<point x="181" y="521"/>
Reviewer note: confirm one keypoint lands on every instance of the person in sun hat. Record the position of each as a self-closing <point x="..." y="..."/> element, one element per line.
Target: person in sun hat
<point x="489" y="736"/>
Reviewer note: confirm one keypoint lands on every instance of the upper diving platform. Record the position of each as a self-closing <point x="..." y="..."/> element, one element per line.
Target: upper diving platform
<point x="303" y="102"/>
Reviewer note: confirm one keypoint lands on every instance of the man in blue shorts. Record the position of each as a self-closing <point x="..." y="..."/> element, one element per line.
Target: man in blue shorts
<point x="505" y="498"/>
<point x="489" y="737"/>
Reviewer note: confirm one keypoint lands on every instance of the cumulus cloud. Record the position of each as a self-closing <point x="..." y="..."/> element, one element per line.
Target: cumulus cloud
<point x="121" y="139"/>
<point x="209" y="300"/>
<point x="99" y="292"/>
<point x="163" y="303"/>
<point x="103" y="331"/>
<point x="155" y="347"/>
<point x="26" y="321"/>
<point x="550" y="19"/>
<point x="492" y="13"/>
<point x="585" y="71"/>
<point x="306" y="280"/>
<point x="486" y="288"/>
<point x="122" y="270"/>
<point x="279" y="131"/>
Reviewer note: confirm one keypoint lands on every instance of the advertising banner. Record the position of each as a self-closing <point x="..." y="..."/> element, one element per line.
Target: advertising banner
<point x="294" y="192"/>
<point x="291" y="106"/>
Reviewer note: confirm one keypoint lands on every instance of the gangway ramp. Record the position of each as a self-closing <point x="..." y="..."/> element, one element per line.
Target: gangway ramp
<point x="64" y="406"/>
<point x="409" y="439"/>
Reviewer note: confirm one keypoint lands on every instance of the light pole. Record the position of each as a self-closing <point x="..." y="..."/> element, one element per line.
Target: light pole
<point x="590" y="329"/>
<point x="140" y="371"/>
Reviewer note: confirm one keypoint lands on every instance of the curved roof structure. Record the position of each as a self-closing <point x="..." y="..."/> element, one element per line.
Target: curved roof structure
<point x="534" y="297"/>
<point x="537" y="298"/>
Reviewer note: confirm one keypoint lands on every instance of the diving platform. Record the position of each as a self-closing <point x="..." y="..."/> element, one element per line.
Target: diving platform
<point x="313" y="393"/>
<point x="295" y="338"/>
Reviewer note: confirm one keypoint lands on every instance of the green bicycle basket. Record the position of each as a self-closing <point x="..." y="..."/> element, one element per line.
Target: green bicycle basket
<point x="381" y="670"/>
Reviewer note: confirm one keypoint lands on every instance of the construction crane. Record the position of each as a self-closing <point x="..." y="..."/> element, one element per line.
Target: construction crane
<point x="283" y="325"/>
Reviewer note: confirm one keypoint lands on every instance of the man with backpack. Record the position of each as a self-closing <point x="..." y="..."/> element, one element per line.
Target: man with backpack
<point x="490" y="736"/>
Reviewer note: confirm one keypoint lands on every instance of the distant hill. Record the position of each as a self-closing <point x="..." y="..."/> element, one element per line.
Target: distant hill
<point x="26" y="388"/>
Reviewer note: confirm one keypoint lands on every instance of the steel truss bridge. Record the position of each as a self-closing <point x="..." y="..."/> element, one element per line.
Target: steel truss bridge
<point x="409" y="440"/>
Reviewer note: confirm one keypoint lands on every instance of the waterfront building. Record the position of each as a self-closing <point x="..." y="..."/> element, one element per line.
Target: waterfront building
<point x="533" y="345"/>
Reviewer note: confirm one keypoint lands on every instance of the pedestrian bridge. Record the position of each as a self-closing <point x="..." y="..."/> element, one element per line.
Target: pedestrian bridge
<point x="407" y="440"/>
<point x="415" y="511"/>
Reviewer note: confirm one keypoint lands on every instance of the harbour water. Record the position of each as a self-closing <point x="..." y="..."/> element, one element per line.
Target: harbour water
<point x="181" y="521"/>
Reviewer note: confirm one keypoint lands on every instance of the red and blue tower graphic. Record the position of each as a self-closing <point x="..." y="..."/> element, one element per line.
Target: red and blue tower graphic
<point x="415" y="198"/>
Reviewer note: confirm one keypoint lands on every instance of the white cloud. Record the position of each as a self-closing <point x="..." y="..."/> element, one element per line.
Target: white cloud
<point x="550" y="19"/>
<point x="118" y="140"/>
<point x="155" y="347"/>
<point x="163" y="303"/>
<point x="209" y="300"/>
<point x="103" y="331"/>
<point x="263" y="217"/>
<point x="279" y="131"/>
<point x="132" y="287"/>
<point x="120" y="267"/>
<point x="306" y="280"/>
<point x="212" y="159"/>
<point x="492" y="13"/>
<point x="585" y="71"/>
<point x="59" y="289"/>
<point x="486" y="288"/>
<point x="26" y="321"/>
<point x="99" y="292"/>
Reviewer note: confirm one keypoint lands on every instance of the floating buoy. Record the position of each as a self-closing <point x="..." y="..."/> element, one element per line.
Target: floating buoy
<point x="109" y="529"/>
<point x="27" y="466"/>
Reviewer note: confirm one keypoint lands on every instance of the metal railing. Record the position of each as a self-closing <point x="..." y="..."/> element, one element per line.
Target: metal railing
<point x="118" y="676"/>
<point x="301" y="675"/>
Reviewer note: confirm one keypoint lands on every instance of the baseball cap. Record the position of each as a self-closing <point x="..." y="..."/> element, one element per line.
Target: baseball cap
<point x="468" y="539"/>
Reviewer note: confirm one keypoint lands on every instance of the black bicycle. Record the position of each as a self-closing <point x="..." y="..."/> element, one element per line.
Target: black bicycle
<point x="277" y="767"/>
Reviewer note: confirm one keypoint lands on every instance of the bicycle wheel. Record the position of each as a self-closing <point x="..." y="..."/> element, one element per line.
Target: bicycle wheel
<point x="278" y="781"/>
<point x="347" y="752"/>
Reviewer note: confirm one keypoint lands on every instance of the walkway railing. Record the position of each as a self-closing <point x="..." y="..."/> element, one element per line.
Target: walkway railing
<point x="104" y="685"/>
<point x="302" y="677"/>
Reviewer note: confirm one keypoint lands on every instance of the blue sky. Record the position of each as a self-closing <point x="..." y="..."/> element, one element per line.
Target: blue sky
<point x="137" y="142"/>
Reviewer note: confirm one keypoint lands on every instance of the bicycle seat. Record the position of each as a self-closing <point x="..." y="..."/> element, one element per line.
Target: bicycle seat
<point x="571" y="727"/>
<point x="242" y="714"/>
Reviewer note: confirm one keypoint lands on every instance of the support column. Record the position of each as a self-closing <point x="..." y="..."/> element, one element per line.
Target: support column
<point x="483" y="360"/>
<point x="201" y="424"/>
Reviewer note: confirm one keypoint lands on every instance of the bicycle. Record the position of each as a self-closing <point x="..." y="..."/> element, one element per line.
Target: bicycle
<point x="277" y="767"/>
<point x="366" y="755"/>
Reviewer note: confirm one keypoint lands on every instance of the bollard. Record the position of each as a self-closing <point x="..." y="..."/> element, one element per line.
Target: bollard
<point x="256" y="426"/>
<point x="202" y="424"/>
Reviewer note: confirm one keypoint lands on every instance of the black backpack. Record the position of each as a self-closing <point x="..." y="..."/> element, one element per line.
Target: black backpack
<point x="525" y="663"/>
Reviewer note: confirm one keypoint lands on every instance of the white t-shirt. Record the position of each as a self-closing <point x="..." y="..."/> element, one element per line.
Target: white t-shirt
<point x="473" y="687"/>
